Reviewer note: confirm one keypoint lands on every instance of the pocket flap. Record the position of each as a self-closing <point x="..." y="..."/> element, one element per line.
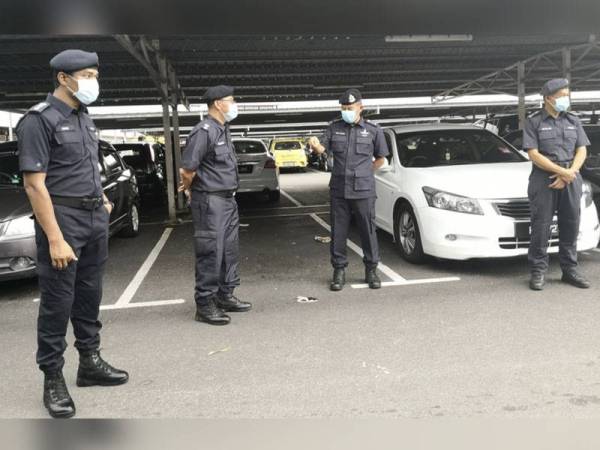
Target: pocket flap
<point x="363" y="172"/>
<point x="66" y="134"/>
<point x="547" y="134"/>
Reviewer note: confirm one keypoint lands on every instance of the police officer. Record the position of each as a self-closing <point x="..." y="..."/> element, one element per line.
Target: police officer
<point x="58" y="154"/>
<point x="359" y="148"/>
<point x="556" y="143"/>
<point x="209" y="173"/>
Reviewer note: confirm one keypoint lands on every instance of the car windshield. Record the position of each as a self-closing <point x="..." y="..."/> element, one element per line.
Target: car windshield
<point x="248" y="147"/>
<point x="133" y="156"/>
<point x="454" y="147"/>
<point x="288" y="146"/>
<point x="10" y="175"/>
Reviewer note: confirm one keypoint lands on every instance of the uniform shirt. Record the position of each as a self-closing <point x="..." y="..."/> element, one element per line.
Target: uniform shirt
<point x="353" y="148"/>
<point x="62" y="142"/>
<point x="210" y="152"/>
<point x="557" y="138"/>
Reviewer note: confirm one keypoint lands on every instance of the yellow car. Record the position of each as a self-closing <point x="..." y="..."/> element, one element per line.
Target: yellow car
<point x="289" y="153"/>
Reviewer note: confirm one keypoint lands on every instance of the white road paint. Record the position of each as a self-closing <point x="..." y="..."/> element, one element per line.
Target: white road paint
<point x="397" y="279"/>
<point x="143" y="304"/>
<point x="141" y="274"/>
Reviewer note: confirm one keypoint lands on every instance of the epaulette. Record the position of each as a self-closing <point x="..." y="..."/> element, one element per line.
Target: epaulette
<point x="40" y="107"/>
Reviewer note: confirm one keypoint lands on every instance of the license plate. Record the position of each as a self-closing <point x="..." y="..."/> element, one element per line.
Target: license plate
<point x="245" y="169"/>
<point x="289" y="164"/>
<point x="523" y="230"/>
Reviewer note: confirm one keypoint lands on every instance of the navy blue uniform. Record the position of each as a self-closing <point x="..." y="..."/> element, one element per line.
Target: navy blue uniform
<point x="211" y="154"/>
<point x="557" y="139"/>
<point x="62" y="142"/>
<point x="352" y="185"/>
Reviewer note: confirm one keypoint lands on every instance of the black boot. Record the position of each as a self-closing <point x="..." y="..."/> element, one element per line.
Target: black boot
<point x="230" y="303"/>
<point x="371" y="278"/>
<point x="211" y="313"/>
<point x="575" y="279"/>
<point x="57" y="400"/>
<point x="339" y="279"/>
<point x="94" y="371"/>
<point x="537" y="281"/>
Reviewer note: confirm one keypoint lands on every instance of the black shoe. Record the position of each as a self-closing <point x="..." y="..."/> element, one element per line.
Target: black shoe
<point x="231" y="303"/>
<point x="575" y="279"/>
<point x="57" y="400"/>
<point x="372" y="279"/>
<point x="537" y="281"/>
<point x="339" y="279"/>
<point x="94" y="371"/>
<point x="212" y="314"/>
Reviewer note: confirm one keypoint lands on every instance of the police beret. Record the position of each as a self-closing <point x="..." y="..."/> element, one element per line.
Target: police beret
<point x="216" y="93"/>
<point x="350" y="96"/>
<point x="550" y="87"/>
<point x="73" y="60"/>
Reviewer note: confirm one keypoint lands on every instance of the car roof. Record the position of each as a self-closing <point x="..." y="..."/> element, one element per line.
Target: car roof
<point x="432" y="127"/>
<point x="243" y="139"/>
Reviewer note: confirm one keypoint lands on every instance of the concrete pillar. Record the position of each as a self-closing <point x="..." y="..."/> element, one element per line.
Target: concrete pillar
<point x="521" y="94"/>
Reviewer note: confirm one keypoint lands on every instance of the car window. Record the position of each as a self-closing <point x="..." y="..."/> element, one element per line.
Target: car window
<point x="453" y="147"/>
<point x="288" y="146"/>
<point x="10" y="175"/>
<point x="111" y="163"/>
<point x="390" y="156"/>
<point x="248" y="147"/>
<point x="594" y="137"/>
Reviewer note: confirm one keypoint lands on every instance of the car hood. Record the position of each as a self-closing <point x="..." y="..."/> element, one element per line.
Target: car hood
<point x="483" y="181"/>
<point x="13" y="203"/>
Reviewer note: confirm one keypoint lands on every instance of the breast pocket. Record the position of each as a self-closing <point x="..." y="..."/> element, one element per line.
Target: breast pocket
<point x="69" y="145"/>
<point x="338" y="144"/>
<point x="364" y="145"/>
<point x="571" y="136"/>
<point x="92" y="133"/>
<point x="546" y="135"/>
<point x="222" y="153"/>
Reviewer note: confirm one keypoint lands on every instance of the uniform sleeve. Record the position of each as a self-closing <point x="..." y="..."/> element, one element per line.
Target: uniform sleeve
<point x="530" y="138"/>
<point x="582" y="139"/>
<point x="381" y="148"/>
<point x="326" y="138"/>
<point x="195" y="150"/>
<point x="33" y="143"/>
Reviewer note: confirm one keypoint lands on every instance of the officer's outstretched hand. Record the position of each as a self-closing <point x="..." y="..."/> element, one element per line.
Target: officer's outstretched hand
<point x="61" y="254"/>
<point x="313" y="141"/>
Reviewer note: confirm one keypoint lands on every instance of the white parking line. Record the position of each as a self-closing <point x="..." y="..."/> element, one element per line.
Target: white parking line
<point x="397" y="279"/>
<point x="139" y="277"/>
<point x="143" y="304"/>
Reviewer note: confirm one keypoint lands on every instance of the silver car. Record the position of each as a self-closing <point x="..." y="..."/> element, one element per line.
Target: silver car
<point x="257" y="168"/>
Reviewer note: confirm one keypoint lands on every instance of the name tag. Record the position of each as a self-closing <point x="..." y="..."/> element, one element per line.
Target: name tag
<point x="340" y="133"/>
<point x="546" y="129"/>
<point x="221" y="143"/>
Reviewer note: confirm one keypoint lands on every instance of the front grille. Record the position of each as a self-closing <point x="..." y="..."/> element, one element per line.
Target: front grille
<point x="512" y="243"/>
<point x="516" y="209"/>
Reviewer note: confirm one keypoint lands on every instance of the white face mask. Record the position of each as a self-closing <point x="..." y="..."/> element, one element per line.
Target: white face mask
<point x="231" y="113"/>
<point x="88" y="90"/>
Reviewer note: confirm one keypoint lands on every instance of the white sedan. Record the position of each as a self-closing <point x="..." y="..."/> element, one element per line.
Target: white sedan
<point x="257" y="169"/>
<point x="460" y="192"/>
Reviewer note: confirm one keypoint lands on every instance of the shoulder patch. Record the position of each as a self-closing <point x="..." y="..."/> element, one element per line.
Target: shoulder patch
<point x="571" y="113"/>
<point x="39" y="107"/>
<point x="205" y="126"/>
<point x="537" y="113"/>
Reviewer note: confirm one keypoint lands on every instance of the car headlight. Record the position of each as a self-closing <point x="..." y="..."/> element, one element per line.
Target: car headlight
<point x="451" y="202"/>
<point x="18" y="228"/>
<point x="587" y="194"/>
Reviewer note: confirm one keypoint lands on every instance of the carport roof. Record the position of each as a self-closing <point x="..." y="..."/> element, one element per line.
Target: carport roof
<point x="282" y="67"/>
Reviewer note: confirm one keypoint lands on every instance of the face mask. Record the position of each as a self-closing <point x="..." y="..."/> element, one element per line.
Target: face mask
<point x="561" y="104"/>
<point x="232" y="113"/>
<point x="88" y="90"/>
<point x="349" y="116"/>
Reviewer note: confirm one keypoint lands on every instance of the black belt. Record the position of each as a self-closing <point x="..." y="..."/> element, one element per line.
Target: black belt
<point x="224" y="194"/>
<point x="87" y="203"/>
<point x="565" y="164"/>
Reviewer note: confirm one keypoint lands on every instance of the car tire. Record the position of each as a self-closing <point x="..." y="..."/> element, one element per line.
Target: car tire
<point x="407" y="236"/>
<point x="132" y="224"/>
<point x="274" y="196"/>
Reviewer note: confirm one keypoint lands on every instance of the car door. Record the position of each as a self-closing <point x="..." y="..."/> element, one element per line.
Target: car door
<point x="114" y="187"/>
<point x="386" y="185"/>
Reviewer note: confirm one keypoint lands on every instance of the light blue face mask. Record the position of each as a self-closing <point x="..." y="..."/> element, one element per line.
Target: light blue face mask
<point x="232" y="113"/>
<point x="561" y="104"/>
<point x="349" y="116"/>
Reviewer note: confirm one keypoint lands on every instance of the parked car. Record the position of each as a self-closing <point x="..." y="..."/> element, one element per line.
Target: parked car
<point x="460" y="192"/>
<point x="257" y="169"/>
<point x="147" y="160"/>
<point x="289" y="153"/>
<point x="17" y="233"/>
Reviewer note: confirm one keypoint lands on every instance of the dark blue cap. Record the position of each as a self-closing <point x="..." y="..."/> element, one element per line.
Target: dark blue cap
<point x="350" y="96"/>
<point x="73" y="60"/>
<point x="550" y="87"/>
<point x="216" y="93"/>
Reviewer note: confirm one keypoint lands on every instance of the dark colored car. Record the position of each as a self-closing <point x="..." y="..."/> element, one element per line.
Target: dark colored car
<point x="17" y="233"/>
<point x="147" y="160"/>
<point x="591" y="168"/>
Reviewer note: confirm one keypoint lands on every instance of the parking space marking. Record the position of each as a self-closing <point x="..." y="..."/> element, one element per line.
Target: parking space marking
<point x="139" y="277"/>
<point x="397" y="279"/>
<point x="143" y="304"/>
